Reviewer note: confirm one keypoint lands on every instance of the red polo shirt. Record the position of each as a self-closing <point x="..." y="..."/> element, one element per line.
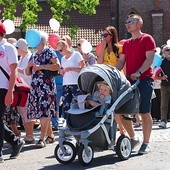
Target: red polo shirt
<point x="135" y="54"/>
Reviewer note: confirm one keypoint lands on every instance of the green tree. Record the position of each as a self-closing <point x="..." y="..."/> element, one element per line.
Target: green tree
<point x="58" y="8"/>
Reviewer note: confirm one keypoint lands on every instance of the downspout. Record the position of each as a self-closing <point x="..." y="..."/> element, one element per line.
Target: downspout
<point x="118" y="16"/>
<point x="111" y="17"/>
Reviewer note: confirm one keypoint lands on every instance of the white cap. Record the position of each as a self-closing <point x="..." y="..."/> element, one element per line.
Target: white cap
<point x="22" y="45"/>
<point x="166" y="47"/>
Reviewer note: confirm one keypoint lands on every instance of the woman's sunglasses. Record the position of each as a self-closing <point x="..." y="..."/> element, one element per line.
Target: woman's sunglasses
<point x="105" y="35"/>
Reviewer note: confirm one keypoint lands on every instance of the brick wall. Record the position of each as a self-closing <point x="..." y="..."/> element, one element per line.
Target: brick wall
<point x="144" y="8"/>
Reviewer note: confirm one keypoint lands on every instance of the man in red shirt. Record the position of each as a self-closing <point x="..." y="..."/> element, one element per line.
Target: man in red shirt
<point x="138" y="53"/>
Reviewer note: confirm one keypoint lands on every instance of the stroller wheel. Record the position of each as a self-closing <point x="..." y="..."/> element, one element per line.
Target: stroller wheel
<point x="69" y="156"/>
<point x="123" y="147"/>
<point x="85" y="159"/>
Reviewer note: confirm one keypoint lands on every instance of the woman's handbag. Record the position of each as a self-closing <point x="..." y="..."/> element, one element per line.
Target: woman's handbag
<point x="21" y="91"/>
<point x="51" y="74"/>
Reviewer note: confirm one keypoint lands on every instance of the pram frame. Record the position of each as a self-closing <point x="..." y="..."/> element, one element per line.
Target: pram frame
<point x="86" y="133"/>
<point x="109" y="116"/>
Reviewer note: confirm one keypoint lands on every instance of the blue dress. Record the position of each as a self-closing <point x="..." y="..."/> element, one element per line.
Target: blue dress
<point x="42" y="98"/>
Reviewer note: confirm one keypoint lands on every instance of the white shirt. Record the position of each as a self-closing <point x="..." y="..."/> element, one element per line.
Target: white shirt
<point x="70" y="78"/>
<point x="8" y="56"/>
<point x="23" y="62"/>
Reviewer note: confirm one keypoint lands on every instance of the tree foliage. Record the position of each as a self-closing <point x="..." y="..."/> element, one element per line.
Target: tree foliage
<point x="58" y="8"/>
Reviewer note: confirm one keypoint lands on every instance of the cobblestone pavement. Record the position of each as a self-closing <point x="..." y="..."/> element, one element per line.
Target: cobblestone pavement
<point x="44" y="159"/>
<point x="158" y="134"/>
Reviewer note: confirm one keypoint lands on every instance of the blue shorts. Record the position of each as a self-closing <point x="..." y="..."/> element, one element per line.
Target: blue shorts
<point x="145" y="88"/>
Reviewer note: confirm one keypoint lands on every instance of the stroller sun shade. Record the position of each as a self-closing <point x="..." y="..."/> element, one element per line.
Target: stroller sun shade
<point x="114" y="78"/>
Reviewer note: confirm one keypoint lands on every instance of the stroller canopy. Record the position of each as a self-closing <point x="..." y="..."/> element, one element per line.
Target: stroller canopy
<point x="101" y="72"/>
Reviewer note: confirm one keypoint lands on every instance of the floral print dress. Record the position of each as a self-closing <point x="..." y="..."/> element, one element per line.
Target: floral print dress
<point x="42" y="98"/>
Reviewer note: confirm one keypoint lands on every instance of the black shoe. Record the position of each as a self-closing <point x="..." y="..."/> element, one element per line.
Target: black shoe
<point x="55" y="128"/>
<point x="17" y="148"/>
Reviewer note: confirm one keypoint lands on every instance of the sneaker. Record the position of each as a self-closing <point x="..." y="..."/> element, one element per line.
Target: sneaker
<point x="17" y="149"/>
<point x="134" y="143"/>
<point x="144" y="149"/>
<point x="162" y="125"/>
<point x="55" y="128"/>
<point x="1" y="159"/>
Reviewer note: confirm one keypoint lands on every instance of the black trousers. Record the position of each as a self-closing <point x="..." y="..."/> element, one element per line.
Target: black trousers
<point x="5" y="133"/>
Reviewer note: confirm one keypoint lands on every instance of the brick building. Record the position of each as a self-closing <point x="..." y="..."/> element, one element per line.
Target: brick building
<point x="155" y="13"/>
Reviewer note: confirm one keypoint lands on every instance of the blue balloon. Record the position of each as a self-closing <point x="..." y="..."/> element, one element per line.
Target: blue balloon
<point x="157" y="61"/>
<point x="33" y="38"/>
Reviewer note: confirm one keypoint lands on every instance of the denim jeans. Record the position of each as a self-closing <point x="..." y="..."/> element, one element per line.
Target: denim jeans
<point x="54" y="120"/>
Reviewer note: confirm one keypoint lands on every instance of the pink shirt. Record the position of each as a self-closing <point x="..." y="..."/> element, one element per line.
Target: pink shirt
<point x="135" y="54"/>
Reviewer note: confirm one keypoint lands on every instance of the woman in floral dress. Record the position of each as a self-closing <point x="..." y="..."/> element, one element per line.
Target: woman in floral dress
<point x="42" y="99"/>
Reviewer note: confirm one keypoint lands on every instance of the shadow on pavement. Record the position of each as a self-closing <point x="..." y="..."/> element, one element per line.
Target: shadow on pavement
<point x="98" y="161"/>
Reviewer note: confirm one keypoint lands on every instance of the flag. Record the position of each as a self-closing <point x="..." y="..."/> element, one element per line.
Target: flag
<point x="157" y="71"/>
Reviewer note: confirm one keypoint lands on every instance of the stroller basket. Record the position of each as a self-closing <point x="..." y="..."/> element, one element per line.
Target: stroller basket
<point x="81" y="121"/>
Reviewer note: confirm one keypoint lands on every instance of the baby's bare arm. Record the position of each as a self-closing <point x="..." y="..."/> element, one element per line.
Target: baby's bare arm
<point x="92" y="103"/>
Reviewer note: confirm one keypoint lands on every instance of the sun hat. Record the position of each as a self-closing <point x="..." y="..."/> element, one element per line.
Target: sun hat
<point x="166" y="47"/>
<point x="2" y="28"/>
<point x="103" y="83"/>
<point x="22" y="45"/>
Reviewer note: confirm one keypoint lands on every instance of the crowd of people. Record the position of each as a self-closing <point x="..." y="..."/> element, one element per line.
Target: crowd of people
<point x="134" y="58"/>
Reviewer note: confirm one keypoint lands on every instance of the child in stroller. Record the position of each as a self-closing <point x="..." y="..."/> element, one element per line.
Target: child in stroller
<point x="102" y="95"/>
<point x="96" y="126"/>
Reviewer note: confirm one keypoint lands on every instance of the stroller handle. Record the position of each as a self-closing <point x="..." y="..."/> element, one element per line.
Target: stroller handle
<point x="136" y="83"/>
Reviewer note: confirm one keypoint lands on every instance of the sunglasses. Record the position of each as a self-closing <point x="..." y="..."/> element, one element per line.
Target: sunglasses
<point x="79" y="45"/>
<point x="16" y="47"/>
<point x="105" y="35"/>
<point x="130" y="22"/>
<point x="167" y="50"/>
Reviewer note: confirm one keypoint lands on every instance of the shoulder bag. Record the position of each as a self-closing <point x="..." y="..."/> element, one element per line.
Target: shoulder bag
<point x="21" y="90"/>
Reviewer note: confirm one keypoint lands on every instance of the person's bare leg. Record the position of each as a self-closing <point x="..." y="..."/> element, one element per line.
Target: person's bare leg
<point x="146" y="126"/>
<point x="44" y="127"/>
<point x="119" y="122"/>
<point x="14" y="128"/>
<point x="137" y="116"/>
<point x="29" y="128"/>
<point x="50" y="131"/>
<point x="128" y="125"/>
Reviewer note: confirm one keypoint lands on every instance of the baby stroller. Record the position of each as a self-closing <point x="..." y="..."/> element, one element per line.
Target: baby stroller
<point x="96" y="127"/>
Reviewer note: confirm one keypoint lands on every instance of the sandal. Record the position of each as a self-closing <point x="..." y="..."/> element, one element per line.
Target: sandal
<point x="40" y="144"/>
<point x="29" y="139"/>
<point x="49" y="140"/>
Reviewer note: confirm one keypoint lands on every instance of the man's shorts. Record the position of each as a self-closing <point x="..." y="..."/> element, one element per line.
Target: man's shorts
<point x="146" y="89"/>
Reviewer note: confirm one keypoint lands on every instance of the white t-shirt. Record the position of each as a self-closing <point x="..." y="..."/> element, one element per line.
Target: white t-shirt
<point x="8" y="56"/>
<point x="23" y="62"/>
<point x="70" y="78"/>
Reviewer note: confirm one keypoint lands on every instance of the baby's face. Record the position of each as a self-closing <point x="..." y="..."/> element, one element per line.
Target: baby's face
<point x="104" y="90"/>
